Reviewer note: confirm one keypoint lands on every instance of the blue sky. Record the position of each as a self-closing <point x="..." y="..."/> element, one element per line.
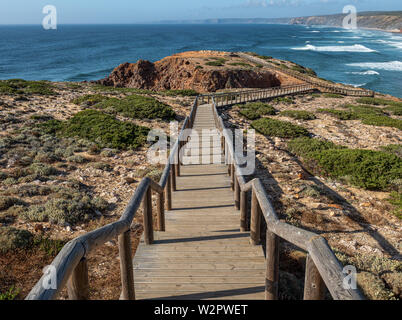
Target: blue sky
<point x="138" y="11"/>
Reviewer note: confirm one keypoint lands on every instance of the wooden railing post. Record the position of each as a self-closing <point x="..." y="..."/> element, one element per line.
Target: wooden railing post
<point x="232" y="176"/>
<point x="255" y="222"/>
<point x="148" y="223"/>
<point x="168" y="190"/>
<point x="236" y="191"/>
<point x="243" y="211"/>
<point x="272" y="263"/>
<point x="314" y="286"/>
<point x="78" y="284"/>
<point x="178" y="159"/>
<point x="126" y="267"/>
<point x="173" y="175"/>
<point x="160" y="210"/>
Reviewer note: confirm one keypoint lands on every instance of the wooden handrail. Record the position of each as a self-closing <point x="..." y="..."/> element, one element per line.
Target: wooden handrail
<point x="318" y="83"/>
<point x="322" y="264"/>
<point x="71" y="260"/>
<point x="228" y="98"/>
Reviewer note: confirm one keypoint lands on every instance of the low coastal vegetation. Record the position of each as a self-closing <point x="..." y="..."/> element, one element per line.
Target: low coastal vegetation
<point x="284" y="100"/>
<point x="395" y="149"/>
<point x="132" y="106"/>
<point x="375" y="170"/>
<point x="216" y="62"/>
<point x="254" y="110"/>
<point x="298" y="114"/>
<point x="100" y="128"/>
<point x="172" y="92"/>
<point x="394" y="107"/>
<point x="333" y="95"/>
<point x="19" y="86"/>
<point x="278" y="128"/>
<point x="367" y="114"/>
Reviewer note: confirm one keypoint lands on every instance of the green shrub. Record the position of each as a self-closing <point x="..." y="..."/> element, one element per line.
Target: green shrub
<point x="51" y="127"/>
<point x="77" y="159"/>
<point x="42" y="169"/>
<point x="11" y="238"/>
<point x="379" y="101"/>
<point x="108" y="153"/>
<point x="277" y="128"/>
<point x="362" y="110"/>
<point x="305" y="70"/>
<point x="340" y="114"/>
<point x="102" y="129"/>
<point x="10" y="294"/>
<point x="7" y="202"/>
<point x="395" y="110"/>
<point x="66" y="207"/>
<point x="393" y="149"/>
<point x="218" y="62"/>
<point x="284" y="100"/>
<point x="50" y="246"/>
<point x="102" y="166"/>
<point x="3" y="175"/>
<point x="153" y="172"/>
<point x="240" y="64"/>
<point x="396" y="200"/>
<point x="333" y="95"/>
<point x="303" y="146"/>
<point x="183" y="92"/>
<point x="41" y="117"/>
<point x="363" y="168"/>
<point x="138" y="107"/>
<point x="298" y="114"/>
<point x="382" y="121"/>
<point x="255" y="110"/>
<point x="29" y="190"/>
<point x="19" y="86"/>
<point x="89" y="99"/>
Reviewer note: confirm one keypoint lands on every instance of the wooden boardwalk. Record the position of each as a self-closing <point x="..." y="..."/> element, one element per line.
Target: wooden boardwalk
<point x="202" y="254"/>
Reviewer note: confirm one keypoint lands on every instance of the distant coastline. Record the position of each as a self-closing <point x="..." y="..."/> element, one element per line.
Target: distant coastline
<point x="371" y="20"/>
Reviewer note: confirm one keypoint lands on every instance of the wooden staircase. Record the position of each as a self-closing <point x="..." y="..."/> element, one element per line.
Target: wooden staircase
<point x="202" y="254"/>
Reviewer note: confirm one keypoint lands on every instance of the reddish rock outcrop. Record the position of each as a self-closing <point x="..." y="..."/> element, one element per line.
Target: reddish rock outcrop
<point x="191" y="71"/>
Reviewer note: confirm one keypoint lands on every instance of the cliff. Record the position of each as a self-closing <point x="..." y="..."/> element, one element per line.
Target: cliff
<point x="203" y="71"/>
<point x="389" y="21"/>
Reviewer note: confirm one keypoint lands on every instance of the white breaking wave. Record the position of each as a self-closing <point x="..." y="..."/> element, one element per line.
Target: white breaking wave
<point x="368" y="72"/>
<point x="396" y="44"/>
<point x="388" y="66"/>
<point x="355" y="85"/>
<point x="354" y="48"/>
<point x="314" y="31"/>
<point x="390" y="43"/>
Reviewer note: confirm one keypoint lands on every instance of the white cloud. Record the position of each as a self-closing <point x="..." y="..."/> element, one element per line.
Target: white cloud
<point x="269" y="3"/>
<point x="255" y="4"/>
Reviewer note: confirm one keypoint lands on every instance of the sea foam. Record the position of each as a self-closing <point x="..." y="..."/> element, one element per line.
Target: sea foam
<point x="354" y="48"/>
<point x="388" y="66"/>
<point x="364" y="73"/>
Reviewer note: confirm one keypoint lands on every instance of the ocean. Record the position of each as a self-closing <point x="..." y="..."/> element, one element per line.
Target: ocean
<point x="363" y="58"/>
